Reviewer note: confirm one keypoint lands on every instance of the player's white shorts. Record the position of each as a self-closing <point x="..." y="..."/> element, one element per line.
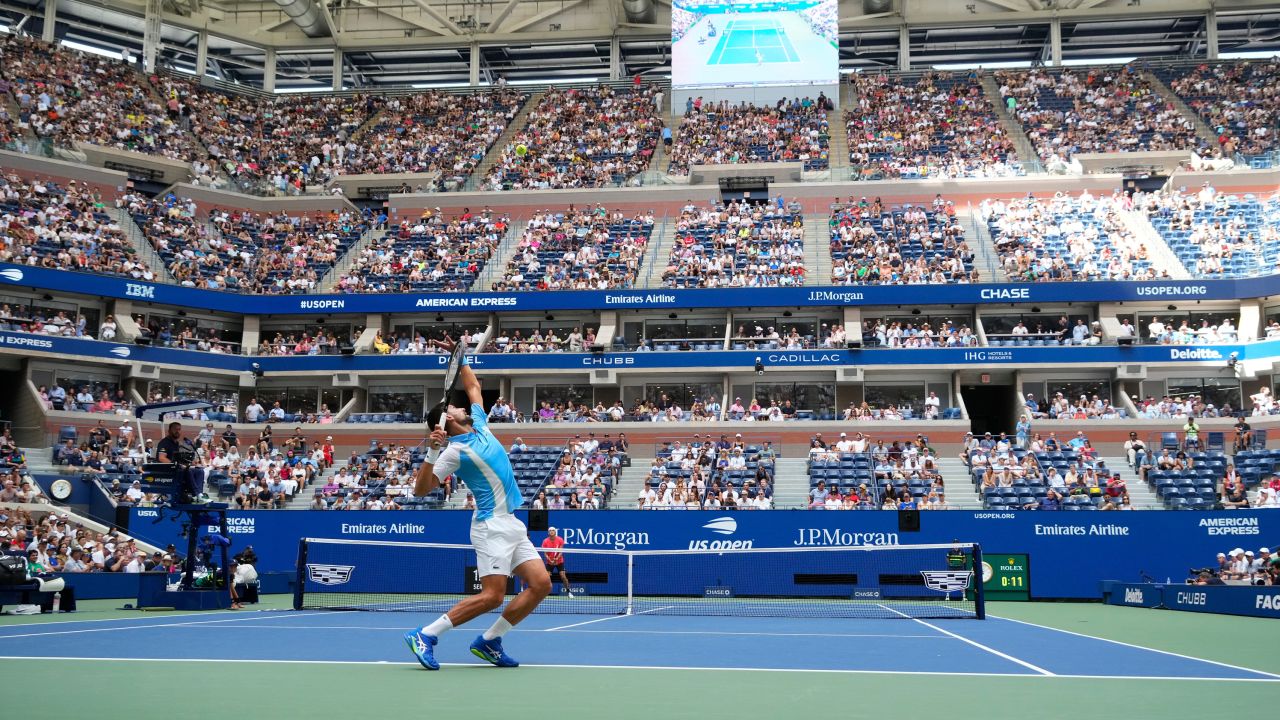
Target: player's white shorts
<point x="501" y="543"/>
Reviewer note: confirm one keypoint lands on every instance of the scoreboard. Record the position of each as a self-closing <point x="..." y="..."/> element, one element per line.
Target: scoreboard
<point x="1006" y="576"/>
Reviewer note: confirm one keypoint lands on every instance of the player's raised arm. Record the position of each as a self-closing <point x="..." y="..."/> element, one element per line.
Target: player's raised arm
<point x="470" y="384"/>
<point x="426" y="480"/>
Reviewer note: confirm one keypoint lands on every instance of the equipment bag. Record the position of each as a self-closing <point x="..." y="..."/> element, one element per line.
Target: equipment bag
<point x="13" y="570"/>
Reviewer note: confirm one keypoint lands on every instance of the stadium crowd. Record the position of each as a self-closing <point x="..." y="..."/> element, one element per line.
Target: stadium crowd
<point x="736" y="245"/>
<point x="894" y="475"/>
<point x="69" y="227"/>
<point x="894" y="334"/>
<point x="433" y="131"/>
<point x="936" y="125"/>
<point x="723" y="133"/>
<point x="431" y="253"/>
<point x="578" y="249"/>
<point x="281" y="144"/>
<point x="1094" y="110"/>
<point x="585" y="476"/>
<point x="702" y="473"/>
<point x="1240" y="101"/>
<point x="65" y="96"/>
<point x="581" y="138"/>
<point x="871" y="244"/>
<point x="1215" y="234"/>
<point x="1066" y="238"/>
<point x="242" y="251"/>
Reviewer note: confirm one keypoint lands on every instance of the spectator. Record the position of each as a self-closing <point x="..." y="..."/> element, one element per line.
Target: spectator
<point x="581" y="138"/>
<point x="1066" y="239"/>
<point x="936" y="125"/>
<point x="1097" y="110"/>
<point x="721" y="133"/>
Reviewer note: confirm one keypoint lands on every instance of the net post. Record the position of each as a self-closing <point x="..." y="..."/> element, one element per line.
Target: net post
<point x="301" y="578"/>
<point x="979" y="594"/>
<point x="631" y="559"/>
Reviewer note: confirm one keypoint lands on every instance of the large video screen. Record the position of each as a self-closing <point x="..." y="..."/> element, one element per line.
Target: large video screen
<point x="732" y="42"/>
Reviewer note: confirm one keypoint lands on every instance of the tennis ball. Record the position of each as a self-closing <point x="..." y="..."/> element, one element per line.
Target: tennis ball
<point x="521" y="150"/>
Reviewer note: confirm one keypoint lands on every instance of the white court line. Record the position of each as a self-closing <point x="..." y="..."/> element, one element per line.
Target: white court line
<point x="610" y="632"/>
<point x="974" y="643"/>
<point x="1141" y="647"/>
<point x="612" y="617"/>
<point x="485" y="666"/>
<point x="206" y="613"/>
<point x="242" y="618"/>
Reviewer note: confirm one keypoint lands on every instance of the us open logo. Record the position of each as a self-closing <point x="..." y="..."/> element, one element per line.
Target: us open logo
<point x="120" y="351"/>
<point x="947" y="580"/>
<point x="12" y="274"/>
<point x="330" y="574"/>
<point x="722" y="526"/>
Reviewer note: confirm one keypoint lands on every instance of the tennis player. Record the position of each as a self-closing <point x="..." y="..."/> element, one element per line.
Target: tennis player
<point x="466" y="448"/>
<point x="555" y="560"/>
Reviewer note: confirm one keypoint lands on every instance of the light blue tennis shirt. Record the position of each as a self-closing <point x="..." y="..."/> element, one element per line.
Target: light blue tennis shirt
<point x="481" y="462"/>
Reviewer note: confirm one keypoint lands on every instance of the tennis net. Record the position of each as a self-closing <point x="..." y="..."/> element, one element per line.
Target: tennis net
<point x="898" y="581"/>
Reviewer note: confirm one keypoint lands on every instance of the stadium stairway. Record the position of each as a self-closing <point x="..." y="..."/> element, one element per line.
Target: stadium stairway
<point x="40" y="461"/>
<point x="661" y="159"/>
<point x="655" y="257"/>
<point x="630" y="482"/>
<point x="340" y="268"/>
<point x="495" y="151"/>
<point x="371" y="122"/>
<point x="1203" y="131"/>
<point x="146" y="251"/>
<point x="838" y="142"/>
<point x="983" y="248"/>
<point x="791" y="483"/>
<point x="1162" y="256"/>
<point x="1141" y="496"/>
<point x="958" y="483"/>
<point x="1026" y="151"/>
<point x="162" y="101"/>
<point x="497" y="265"/>
<point x="817" y="250"/>
<point x="302" y="500"/>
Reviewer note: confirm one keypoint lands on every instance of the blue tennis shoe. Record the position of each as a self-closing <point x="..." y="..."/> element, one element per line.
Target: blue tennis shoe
<point x="491" y="652"/>
<point x="422" y="647"/>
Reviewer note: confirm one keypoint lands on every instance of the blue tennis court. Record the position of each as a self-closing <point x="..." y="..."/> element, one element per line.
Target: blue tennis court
<point x="753" y="41"/>
<point x="994" y="647"/>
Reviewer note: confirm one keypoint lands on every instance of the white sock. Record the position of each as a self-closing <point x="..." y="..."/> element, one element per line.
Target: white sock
<point x="499" y="628"/>
<point x="439" y="627"/>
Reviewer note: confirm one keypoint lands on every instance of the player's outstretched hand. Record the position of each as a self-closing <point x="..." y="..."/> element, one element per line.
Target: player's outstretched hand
<point x="439" y="438"/>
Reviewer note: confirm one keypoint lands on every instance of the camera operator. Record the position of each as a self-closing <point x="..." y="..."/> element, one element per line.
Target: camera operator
<point x="1207" y="578"/>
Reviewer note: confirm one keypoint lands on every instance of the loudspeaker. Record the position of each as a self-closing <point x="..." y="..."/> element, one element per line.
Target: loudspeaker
<point x="908" y="521"/>
<point x="1124" y="341"/>
<point x="538" y="520"/>
<point x="346" y="348"/>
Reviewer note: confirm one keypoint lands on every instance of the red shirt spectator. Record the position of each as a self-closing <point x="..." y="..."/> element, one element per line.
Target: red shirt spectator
<point x="553" y="559"/>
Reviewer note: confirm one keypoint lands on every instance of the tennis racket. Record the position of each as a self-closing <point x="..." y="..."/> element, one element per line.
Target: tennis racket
<point x="451" y="377"/>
